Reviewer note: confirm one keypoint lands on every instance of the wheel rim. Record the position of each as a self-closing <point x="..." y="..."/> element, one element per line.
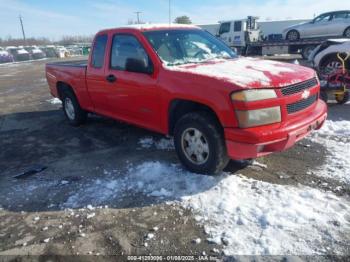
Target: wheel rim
<point x="195" y="146"/>
<point x="69" y="108"/>
<point x="293" y="35"/>
<point x="332" y="66"/>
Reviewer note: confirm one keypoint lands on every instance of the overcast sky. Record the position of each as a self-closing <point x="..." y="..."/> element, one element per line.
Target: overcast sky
<point x="53" y="18"/>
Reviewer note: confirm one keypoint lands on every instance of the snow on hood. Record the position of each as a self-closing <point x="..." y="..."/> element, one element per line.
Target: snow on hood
<point x="3" y="53"/>
<point x="249" y="72"/>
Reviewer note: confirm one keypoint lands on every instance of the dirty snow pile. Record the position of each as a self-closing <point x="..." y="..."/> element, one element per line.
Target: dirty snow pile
<point x="247" y="216"/>
<point x="335" y="135"/>
<point x="162" y="144"/>
<point x="54" y="101"/>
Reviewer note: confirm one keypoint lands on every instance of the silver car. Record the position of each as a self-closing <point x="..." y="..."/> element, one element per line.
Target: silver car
<point x="329" y="24"/>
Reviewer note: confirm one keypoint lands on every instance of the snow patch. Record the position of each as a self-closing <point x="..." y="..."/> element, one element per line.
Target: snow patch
<point x="54" y="101"/>
<point x="162" y="144"/>
<point x="246" y="215"/>
<point x="334" y="135"/>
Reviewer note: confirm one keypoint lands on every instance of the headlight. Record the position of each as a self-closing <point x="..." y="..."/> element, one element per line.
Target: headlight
<point x="253" y="95"/>
<point x="258" y="117"/>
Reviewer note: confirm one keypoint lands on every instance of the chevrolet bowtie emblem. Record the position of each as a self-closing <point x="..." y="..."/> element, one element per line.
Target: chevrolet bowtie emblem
<point x="305" y="94"/>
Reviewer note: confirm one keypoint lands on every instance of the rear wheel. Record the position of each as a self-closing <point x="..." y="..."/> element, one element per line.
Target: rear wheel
<point x="72" y="110"/>
<point x="347" y="32"/>
<point x="200" y="144"/>
<point x="342" y="98"/>
<point x="293" y="35"/>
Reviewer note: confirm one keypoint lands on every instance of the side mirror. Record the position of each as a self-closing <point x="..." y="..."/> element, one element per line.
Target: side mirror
<point x="138" y="66"/>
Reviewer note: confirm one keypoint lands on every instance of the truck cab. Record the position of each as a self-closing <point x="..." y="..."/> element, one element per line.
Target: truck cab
<point x="239" y="33"/>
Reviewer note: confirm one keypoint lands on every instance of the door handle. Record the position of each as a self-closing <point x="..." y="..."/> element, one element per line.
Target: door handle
<point x="111" y="78"/>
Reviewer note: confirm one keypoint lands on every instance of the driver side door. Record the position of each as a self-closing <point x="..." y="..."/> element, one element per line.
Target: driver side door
<point x="133" y="94"/>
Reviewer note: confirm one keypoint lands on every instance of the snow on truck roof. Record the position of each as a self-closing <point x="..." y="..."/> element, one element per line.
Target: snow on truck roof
<point x="146" y="27"/>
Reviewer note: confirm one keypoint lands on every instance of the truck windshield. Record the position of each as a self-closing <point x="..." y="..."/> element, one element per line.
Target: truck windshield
<point x="176" y="47"/>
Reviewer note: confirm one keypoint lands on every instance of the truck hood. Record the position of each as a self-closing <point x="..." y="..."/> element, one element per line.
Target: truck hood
<point x="249" y="72"/>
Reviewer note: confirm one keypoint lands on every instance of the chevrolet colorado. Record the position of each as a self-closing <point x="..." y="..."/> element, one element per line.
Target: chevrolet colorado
<point x="182" y="81"/>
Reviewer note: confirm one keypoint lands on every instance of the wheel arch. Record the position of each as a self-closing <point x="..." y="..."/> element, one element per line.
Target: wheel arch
<point x="179" y="107"/>
<point x="348" y="27"/>
<point x="63" y="86"/>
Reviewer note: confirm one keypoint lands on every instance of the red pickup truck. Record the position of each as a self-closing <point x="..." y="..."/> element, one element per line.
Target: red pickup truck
<point x="182" y="81"/>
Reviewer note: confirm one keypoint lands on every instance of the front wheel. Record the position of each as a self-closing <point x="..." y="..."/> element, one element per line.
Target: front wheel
<point x="72" y="110"/>
<point x="200" y="144"/>
<point x="293" y="35"/>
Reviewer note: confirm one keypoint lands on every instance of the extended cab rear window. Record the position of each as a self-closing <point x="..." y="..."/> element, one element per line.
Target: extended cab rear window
<point x="98" y="52"/>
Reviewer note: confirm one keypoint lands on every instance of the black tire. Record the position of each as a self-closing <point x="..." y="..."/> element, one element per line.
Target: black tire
<point x="216" y="159"/>
<point x="342" y="99"/>
<point x="293" y="35"/>
<point x="324" y="96"/>
<point x="80" y="115"/>
<point x="305" y="53"/>
<point x="347" y="32"/>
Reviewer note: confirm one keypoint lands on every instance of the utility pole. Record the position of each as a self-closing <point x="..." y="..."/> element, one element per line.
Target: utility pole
<point x="138" y="16"/>
<point x="169" y="12"/>
<point x="24" y="35"/>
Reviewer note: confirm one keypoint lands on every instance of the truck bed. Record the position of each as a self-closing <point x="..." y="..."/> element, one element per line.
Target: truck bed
<point x="73" y="63"/>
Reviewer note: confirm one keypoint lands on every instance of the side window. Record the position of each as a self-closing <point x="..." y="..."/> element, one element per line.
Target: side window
<point x="129" y="55"/>
<point x="323" y="18"/>
<point x="98" y="52"/>
<point x="237" y="26"/>
<point x="340" y="15"/>
<point x="225" y="28"/>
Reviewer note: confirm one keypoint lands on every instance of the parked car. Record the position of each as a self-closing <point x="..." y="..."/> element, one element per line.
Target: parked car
<point x="18" y="53"/>
<point x="182" y="81"/>
<point x="35" y="52"/>
<point x="324" y="57"/>
<point x="5" y="57"/>
<point x="328" y="24"/>
<point x="62" y="52"/>
<point x="50" y="51"/>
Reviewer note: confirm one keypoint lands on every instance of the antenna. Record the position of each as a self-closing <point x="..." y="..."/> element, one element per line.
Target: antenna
<point x="169" y="12"/>
<point x="24" y="35"/>
<point x="138" y="16"/>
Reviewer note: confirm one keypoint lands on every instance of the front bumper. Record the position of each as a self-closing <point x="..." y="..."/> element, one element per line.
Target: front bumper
<point x="259" y="141"/>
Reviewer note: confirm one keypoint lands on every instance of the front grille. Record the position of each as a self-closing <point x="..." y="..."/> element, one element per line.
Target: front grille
<point x="302" y="104"/>
<point x="296" y="88"/>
